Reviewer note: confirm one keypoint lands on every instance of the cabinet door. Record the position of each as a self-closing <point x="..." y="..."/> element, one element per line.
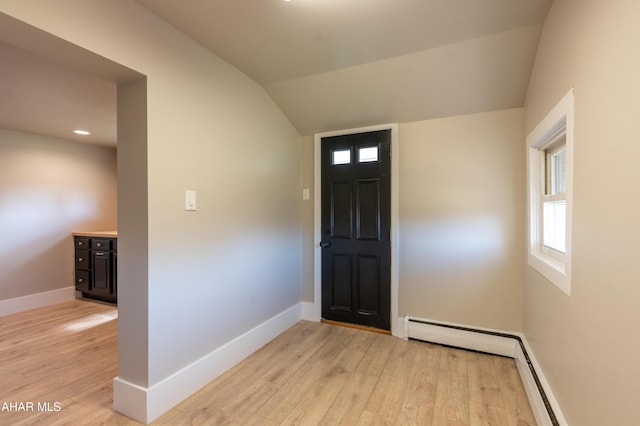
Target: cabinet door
<point x="101" y="243"/>
<point x="82" y="259"/>
<point x="81" y="243"/>
<point x="102" y="272"/>
<point x="83" y="280"/>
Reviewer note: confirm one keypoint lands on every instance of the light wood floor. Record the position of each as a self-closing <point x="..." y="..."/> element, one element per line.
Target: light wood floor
<point x="311" y="374"/>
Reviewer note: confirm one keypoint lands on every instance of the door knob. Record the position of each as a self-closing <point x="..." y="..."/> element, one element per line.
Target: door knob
<point x="325" y="244"/>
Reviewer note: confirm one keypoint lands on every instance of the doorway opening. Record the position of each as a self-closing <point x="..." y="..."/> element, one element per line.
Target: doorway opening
<point x="131" y="165"/>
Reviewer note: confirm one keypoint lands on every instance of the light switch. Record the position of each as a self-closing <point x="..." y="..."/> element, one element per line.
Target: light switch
<point x="190" y="200"/>
<point x="305" y="194"/>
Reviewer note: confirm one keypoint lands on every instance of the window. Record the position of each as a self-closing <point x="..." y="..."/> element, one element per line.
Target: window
<point x="368" y="154"/>
<point x="550" y="180"/>
<point x="342" y="156"/>
<point x="554" y="199"/>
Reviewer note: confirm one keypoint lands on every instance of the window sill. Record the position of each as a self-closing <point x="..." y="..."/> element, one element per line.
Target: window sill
<point x="552" y="269"/>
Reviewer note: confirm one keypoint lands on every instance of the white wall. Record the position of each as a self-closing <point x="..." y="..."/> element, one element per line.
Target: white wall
<point x="234" y="263"/>
<point x="49" y="188"/>
<point x="588" y="342"/>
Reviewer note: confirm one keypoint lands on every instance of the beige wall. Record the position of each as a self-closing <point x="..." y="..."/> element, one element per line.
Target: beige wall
<point x="307" y="218"/>
<point x="133" y="231"/>
<point x="461" y="219"/>
<point x="220" y="271"/>
<point x="49" y="188"/>
<point x="461" y="226"/>
<point x="588" y="343"/>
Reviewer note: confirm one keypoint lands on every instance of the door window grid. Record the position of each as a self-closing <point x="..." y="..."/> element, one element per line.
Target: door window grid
<point x="367" y="154"/>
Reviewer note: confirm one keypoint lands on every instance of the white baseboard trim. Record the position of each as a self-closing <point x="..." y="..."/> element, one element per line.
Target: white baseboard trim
<point x="492" y="344"/>
<point x="130" y="399"/>
<point x="147" y="404"/>
<point x="38" y="300"/>
<point x="309" y="312"/>
<point x="513" y="345"/>
<point x="527" y="364"/>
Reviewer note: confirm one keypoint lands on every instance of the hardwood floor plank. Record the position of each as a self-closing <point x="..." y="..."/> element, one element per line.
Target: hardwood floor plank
<point x="313" y="405"/>
<point x="313" y="410"/>
<point x="376" y="358"/>
<point x="420" y="393"/>
<point x="53" y="360"/>
<point x="311" y="374"/>
<point x="484" y="386"/>
<point x="452" y="392"/>
<point x="290" y="357"/>
<point x="454" y="360"/>
<point x="486" y="415"/>
<point x="350" y="401"/>
<point x="319" y="366"/>
<point x="387" y="396"/>
<point x="517" y="407"/>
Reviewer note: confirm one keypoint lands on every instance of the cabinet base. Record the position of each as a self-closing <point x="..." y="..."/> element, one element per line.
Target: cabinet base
<point x="96" y="298"/>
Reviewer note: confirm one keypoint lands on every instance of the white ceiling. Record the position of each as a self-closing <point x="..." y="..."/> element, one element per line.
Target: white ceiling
<point x="328" y="64"/>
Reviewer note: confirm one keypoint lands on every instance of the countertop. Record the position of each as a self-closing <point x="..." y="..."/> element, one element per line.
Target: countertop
<point x="107" y="234"/>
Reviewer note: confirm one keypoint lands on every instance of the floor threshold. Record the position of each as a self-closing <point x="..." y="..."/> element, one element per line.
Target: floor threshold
<point x="356" y="326"/>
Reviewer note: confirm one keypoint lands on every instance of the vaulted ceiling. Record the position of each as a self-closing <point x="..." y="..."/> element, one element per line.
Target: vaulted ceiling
<point x="333" y="64"/>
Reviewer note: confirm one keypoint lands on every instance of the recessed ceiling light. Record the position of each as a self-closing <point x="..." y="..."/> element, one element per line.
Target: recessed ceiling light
<point x="81" y="132"/>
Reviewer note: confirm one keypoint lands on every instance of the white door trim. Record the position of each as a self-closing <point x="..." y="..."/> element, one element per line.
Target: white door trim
<point x="396" y="326"/>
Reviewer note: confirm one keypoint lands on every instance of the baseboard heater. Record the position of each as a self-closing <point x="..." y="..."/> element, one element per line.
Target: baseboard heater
<point x="492" y="342"/>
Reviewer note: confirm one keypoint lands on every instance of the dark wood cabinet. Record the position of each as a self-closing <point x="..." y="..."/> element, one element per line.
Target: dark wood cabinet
<point x="96" y="263"/>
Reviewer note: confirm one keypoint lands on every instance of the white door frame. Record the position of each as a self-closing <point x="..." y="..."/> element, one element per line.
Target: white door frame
<point x="397" y="327"/>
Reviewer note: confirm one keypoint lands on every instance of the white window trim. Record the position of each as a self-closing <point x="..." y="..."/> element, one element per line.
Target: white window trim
<point x="560" y="119"/>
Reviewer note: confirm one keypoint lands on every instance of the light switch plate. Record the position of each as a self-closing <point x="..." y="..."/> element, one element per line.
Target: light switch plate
<point x="190" y="200"/>
<point x="305" y="194"/>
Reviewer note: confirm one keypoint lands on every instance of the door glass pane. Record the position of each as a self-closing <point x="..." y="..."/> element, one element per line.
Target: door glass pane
<point x="369" y="154"/>
<point x="554" y="225"/>
<point x="342" y="156"/>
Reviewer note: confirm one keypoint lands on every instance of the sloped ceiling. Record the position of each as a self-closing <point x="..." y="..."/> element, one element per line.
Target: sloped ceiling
<point x="328" y="64"/>
<point x="332" y="64"/>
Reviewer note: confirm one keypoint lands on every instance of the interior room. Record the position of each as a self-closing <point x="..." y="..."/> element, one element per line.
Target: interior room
<point x="205" y="165"/>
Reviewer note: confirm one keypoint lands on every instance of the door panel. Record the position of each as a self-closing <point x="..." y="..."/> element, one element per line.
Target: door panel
<point x="341" y="290"/>
<point x="368" y="285"/>
<point x="341" y="209"/>
<point x="368" y="209"/>
<point x="356" y="220"/>
<point x="102" y="272"/>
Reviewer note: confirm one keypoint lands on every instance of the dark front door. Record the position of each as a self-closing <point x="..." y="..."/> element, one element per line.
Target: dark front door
<point x="356" y="221"/>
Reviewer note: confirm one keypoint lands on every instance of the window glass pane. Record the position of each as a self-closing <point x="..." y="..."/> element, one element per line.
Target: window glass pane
<point x="341" y="157"/>
<point x="554" y="224"/>
<point x="369" y="154"/>
<point x="558" y="171"/>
